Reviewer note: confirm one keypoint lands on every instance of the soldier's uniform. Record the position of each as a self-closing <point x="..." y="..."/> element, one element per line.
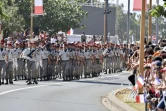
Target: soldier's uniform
<point x="18" y="63"/>
<point x="106" y="59"/>
<point x="30" y="56"/>
<point x="9" y="64"/>
<point x="44" y="67"/>
<point x="3" y="54"/>
<point x="64" y="54"/>
<point x="52" y="60"/>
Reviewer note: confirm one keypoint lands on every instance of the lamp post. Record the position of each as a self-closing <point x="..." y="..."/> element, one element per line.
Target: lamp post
<point x="105" y="20"/>
<point x="31" y="30"/>
<point x="150" y="20"/>
<point x="106" y="12"/>
<point x="128" y="22"/>
<point x="157" y="24"/>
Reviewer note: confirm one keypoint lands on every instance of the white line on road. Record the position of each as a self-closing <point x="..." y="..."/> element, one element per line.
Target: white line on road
<point x="39" y="86"/>
<point x="19" y="89"/>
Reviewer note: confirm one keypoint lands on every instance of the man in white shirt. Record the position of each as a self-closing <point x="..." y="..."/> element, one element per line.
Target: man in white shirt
<point x="9" y="63"/>
<point x="3" y="60"/>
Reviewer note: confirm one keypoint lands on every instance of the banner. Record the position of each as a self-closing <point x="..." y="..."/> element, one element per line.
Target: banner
<point x="38" y="7"/>
<point x="138" y="5"/>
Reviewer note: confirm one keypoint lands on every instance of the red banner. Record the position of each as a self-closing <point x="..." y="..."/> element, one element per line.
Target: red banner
<point x="138" y="5"/>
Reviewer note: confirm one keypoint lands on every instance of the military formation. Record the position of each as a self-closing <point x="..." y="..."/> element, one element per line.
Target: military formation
<point x="35" y="61"/>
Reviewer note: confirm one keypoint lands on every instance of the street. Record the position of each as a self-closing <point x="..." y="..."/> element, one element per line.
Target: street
<point x="56" y="95"/>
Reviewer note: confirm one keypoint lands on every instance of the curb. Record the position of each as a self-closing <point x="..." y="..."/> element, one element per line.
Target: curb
<point x="117" y="104"/>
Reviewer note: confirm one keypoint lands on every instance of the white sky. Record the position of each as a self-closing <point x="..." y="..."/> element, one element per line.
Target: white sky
<point x="125" y="2"/>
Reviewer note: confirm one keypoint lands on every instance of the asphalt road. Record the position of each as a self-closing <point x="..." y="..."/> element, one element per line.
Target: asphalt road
<point x="56" y="95"/>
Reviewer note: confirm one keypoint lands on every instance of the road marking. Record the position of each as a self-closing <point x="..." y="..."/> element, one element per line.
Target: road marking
<point x="19" y="89"/>
<point x="38" y="86"/>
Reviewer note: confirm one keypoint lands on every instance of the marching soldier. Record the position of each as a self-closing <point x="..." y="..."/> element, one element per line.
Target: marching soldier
<point x="106" y="58"/>
<point x="64" y="54"/>
<point x="52" y="61"/>
<point x="18" y="63"/>
<point x="9" y="63"/>
<point x="29" y="55"/>
<point x="44" y="67"/>
<point x="3" y="60"/>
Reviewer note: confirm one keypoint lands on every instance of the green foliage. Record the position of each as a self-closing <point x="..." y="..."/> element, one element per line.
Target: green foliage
<point x="2" y="13"/>
<point x="59" y="15"/>
<point x="159" y="11"/>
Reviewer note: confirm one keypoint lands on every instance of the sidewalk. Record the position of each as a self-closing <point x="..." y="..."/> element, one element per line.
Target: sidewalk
<point x="114" y="104"/>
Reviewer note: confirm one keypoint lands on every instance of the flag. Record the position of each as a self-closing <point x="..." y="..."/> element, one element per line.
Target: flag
<point x="138" y="5"/>
<point x="38" y="7"/>
<point x="140" y="81"/>
<point x="140" y="98"/>
<point x="70" y="32"/>
<point x="135" y="87"/>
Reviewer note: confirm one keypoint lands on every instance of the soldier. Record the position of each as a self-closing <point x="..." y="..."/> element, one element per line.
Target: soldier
<point x="58" y="61"/>
<point x="64" y="55"/>
<point x="106" y="58"/>
<point x="44" y="67"/>
<point x="30" y="62"/>
<point x="3" y="60"/>
<point x="9" y="63"/>
<point x="52" y="60"/>
<point x="18" y="63"/>
<point x="81" y="59"/>
<point x="93" y="61"/>
<point x="70" y="49"/>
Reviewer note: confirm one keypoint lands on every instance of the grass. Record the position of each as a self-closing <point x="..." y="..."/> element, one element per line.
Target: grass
<point x="123" y="94"/>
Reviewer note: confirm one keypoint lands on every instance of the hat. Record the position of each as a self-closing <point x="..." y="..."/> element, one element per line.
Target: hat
<point x="9" y="43"/>
<point x="17" y="43"/>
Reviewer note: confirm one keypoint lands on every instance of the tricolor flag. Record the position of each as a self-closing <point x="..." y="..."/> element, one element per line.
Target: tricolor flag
<point x="140" y="81"/>
<point x="70" y="32"/>
<point x="38" y="7"/>
<point x="140" y="98"/>
<point x="135" y="87"/>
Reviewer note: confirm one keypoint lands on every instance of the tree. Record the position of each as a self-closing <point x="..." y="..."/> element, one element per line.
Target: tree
<point x="59" y="15"/>
<point x="2" y="13"/>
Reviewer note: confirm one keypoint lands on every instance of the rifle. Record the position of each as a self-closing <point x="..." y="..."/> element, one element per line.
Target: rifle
<point x="30" y="54"/>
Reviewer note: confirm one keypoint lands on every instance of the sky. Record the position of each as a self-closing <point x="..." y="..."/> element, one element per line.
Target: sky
<point x="125" y="2"/>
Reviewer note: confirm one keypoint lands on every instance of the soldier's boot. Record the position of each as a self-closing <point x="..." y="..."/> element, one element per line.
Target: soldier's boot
<point x="10" y="81"/>
<point x="105" y="71"/>
<point x="15" y="78"/>
<point x="6" y="82"/>
<point x="35" y="81"/>
<point x="29" y="82"/>
<point x="2" y="81"/>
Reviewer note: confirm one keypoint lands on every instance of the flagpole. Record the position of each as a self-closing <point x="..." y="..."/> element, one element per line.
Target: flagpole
<point x="31" y="30"/>
<point x="142" y="36"/>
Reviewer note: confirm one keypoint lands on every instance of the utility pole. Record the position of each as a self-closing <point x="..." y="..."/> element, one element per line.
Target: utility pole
<point x="128" y="22"/>
<point x="157" y="24"/>
<point x="105" y="20"/>
<point x="31" y="30"/>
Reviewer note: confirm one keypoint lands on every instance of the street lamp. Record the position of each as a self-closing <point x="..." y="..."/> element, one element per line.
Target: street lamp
<point x="106" y="11"/>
